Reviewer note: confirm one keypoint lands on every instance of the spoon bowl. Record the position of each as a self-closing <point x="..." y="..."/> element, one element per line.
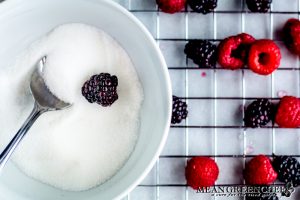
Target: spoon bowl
<point x="45" y="101"/>
<point x="41" y="93"/>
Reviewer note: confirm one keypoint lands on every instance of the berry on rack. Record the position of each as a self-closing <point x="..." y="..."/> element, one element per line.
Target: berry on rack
<point x="288" y="112"/>
<point x="233" y="51"/>
<point x="259" y="171"/>
<point x="259" y="5"/>
<point x="179" y="110"/>
<point x="171" y="6"/>
<point x="203" y="6"/>
<point x="291" y="35"/>
<point x="259" y="113"/>
<point x="264" y="57"/>
<point x="202" y="52"/>
<point x="288" y="169"/>
<point x="101" y="89"/>
<point x="201" y="172"/>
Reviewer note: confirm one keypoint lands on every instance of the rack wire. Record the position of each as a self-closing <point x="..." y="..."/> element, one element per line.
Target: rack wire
<point x="268" y="140"/>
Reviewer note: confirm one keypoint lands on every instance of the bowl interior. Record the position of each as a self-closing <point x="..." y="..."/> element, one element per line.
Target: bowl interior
<point x="22" y="22"/>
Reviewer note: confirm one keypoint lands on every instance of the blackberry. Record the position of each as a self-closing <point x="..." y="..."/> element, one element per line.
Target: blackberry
<point x="179" y="110"/>
<point x="259" y="113"/>
<point x="288" y="169"/>
<point x="101" y="89"/>
<point x="259" y="5"/>
<point x="203" y="6"/>
<point x="202" y="52"/>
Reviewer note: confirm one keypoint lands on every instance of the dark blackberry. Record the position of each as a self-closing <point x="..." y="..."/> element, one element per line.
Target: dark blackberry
<point x="259" y="5"/>
<point x="202" y="52"/>
<point x="288" y="169"/>
<point x="101" y="89"/>
<point x="203" y="6"/>
<point x="179" y="110"/>
<point x="259" y="113"/>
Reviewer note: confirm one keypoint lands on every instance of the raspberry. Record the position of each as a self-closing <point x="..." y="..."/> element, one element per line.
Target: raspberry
<point x="201" y="172"/>
<point x="288" y="112"/>
<point x="288" y="169"/>
<point x="101" y="89"/>
<point x="203" y="6"/>
<point x="259" y="113"/>
<point x="171" y="6"/>
<point x="291" y="35"/>
<point x="179" y="111"/>
<point x="259" y="5"/>
<point x="233" y="51"/>
<point x="259" y="171"/>
<point x="264" y="57"/>
<point x="202" y="52"/>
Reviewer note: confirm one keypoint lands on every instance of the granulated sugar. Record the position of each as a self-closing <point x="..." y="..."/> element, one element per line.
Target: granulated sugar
<point x="83" y="146"/>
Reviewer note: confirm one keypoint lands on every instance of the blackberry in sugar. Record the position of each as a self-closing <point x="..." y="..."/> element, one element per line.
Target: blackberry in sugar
<point x="101" y="89"/>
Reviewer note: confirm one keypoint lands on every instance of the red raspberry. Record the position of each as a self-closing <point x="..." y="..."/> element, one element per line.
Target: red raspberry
<point x="291" y="35"/>
<point x="264" y="57"/>
<point x="201" y="172"/>
<point x="259" y="171"/>
<point x="233" y="51"/>
<point x="288" y="112"/>
<point x="171" y="6"/>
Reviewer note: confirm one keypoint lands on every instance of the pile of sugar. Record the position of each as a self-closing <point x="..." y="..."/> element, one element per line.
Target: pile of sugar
<point x="83" y="146"/>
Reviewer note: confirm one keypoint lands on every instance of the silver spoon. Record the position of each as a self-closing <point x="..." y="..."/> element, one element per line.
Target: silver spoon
<point x="44" y="101"/>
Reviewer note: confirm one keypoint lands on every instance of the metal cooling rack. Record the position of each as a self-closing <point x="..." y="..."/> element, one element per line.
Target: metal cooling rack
<point x="216" y="96"/>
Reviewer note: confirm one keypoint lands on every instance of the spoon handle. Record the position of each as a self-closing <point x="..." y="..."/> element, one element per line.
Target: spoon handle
<point x="6" y="153"/>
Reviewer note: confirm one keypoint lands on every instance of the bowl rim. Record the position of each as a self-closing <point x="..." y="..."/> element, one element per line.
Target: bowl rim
<point x="169" y="95"/>
<point x="11" y="4"/>
<point x="166" y="75"/>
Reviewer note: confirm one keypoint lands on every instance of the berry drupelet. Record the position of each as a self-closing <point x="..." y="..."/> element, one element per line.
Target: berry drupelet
<point x="202" y="52"/>
<point x="179" y="110"/>
<point x="259" y="113"/>
<point x="203" y="6"/>
<point x="101" y="89"/>
<point x="261" y="6"/>
<point x="288" y="169"/>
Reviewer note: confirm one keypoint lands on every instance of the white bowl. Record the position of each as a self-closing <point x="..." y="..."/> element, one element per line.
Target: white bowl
<point x="22" y="22"/>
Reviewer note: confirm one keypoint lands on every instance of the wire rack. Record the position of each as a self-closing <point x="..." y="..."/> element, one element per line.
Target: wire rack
<point x="216" y="97"/>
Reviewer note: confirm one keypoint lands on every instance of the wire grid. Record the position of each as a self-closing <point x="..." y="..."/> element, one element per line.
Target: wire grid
<point x="218" y="133"/>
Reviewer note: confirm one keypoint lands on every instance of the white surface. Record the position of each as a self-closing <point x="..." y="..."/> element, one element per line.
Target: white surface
<point x="222" y="83"/>
<point x="24" y="22"/>
<point x="67" y="148"/>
